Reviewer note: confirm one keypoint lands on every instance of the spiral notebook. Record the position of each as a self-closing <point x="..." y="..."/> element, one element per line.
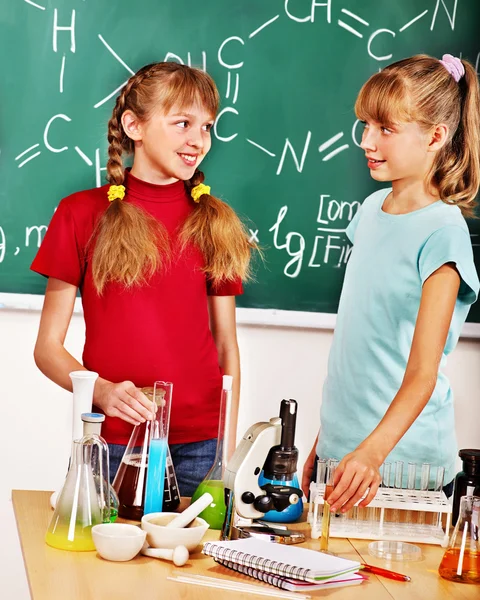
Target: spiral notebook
<point x="279" y="559"/>
<point x="294" y="585"/>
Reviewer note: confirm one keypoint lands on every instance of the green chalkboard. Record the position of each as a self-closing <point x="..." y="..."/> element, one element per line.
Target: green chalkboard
<point x="284" y="151"/>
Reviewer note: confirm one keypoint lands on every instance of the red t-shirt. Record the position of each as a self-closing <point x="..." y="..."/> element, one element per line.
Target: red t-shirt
<point x="159" y="331"/>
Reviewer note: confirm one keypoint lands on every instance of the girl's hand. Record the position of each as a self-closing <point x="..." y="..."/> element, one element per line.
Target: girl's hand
<point x="123" y="400"/>
<point x="308" y="472"/>
<point x="357" y="472"/>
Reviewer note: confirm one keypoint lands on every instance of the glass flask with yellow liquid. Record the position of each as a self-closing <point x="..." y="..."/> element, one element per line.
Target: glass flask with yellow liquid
<point x="85" y="497"/>
<point x="213" y="483"/>
<point x="461" y="561"/>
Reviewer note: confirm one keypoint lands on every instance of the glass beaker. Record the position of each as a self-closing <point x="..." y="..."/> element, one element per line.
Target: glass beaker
<point x="140" y="479"/>
<point x="461" y="561"/>
<point x="213" y="483"/>
<point x="85" y="497"/>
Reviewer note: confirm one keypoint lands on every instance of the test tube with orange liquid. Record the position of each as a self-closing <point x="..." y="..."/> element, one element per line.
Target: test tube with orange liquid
<point x="325" y="533"/>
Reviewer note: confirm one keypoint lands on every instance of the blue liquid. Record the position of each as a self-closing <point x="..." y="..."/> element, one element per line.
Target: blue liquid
<point x="291" y="513"/>
<point x="157" y="460"/>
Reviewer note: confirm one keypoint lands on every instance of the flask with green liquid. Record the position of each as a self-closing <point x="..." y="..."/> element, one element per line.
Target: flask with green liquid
<point x="214" y="514"/>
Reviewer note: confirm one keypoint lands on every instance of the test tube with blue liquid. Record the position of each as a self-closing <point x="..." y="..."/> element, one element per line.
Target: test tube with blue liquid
<point x="158" y="446"/>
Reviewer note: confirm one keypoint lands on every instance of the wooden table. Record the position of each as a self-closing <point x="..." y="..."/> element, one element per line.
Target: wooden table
<point x="55" y="574"/>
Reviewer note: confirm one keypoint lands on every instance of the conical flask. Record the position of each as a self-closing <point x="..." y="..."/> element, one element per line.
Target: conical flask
<point x="461" y="561"/>
<point x="83" y="383"/>
<point x="213" y="483"/>
<point x="84" y="500"/>
<point x="140" y="479"/>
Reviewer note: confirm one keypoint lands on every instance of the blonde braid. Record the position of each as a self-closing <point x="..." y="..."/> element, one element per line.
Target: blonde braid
<point x="129" y="244"/>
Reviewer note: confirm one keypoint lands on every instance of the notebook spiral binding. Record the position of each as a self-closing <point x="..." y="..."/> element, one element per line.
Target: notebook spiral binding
<point x="248" y="560"/>
<point x="276" y="580"/>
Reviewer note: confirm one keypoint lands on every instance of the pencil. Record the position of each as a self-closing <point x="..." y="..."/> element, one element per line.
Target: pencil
<point x="384" y="573"/>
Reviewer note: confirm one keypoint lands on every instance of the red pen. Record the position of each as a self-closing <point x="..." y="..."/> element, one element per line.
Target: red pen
<point x="384" y="572"/>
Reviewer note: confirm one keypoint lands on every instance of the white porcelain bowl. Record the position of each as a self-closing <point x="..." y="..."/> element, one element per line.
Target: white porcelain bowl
<point x="159" y="536"/>
<point x="118" y="541"/>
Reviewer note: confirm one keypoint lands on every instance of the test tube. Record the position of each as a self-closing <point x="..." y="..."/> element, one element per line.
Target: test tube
<point x="386" y="474"/>
<point x="330" y="473"/>
<point x="321" y="475"/>
<point x="438" y="488"/>
<point x="321" y="470"/>
<point x="424" y="481"/>
<point x="319" y="483"/>
<point x="398" y="483"/>
<point x="411" y="476"/>
<point x="411" y="484"/>
<point x="385" y="484"/>
<point x="399" y="474"/>
<point x="372" y="516"/>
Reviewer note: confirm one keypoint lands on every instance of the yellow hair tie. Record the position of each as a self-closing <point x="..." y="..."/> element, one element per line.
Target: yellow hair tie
<point x="116" y="192"/>
<point x="198" y="191"/>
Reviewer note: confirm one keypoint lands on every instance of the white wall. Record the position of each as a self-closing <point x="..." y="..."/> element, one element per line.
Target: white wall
<point x="276" y="363"/>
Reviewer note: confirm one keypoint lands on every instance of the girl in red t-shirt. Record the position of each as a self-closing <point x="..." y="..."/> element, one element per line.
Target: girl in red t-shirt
<point x="158" y="261"/>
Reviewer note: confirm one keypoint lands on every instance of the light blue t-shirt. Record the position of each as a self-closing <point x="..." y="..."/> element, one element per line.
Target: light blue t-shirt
<point x="392" y="257"/>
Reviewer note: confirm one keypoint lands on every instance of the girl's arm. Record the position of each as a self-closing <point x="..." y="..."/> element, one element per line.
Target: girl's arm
<point x="122" y="400"/>
<point x="308" y="469"/>
<point x="224" y="331"/>
<point x="359" y="470"/>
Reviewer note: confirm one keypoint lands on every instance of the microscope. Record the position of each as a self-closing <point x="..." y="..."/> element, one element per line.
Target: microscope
<point x="265" y="450"/>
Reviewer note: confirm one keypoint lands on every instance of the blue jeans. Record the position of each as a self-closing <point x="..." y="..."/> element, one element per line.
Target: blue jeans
<point x="191" y="461"/>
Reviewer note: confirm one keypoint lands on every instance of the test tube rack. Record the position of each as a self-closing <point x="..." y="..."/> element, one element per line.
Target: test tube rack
<point x="394" y="514"/>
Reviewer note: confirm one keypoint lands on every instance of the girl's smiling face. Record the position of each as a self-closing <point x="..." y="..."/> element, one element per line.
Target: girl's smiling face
<point x="169" y="146"/>
<point x="397" y="152"/>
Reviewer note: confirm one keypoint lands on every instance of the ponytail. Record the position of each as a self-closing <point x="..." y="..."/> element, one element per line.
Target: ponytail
<point x="456" y="169"/>
<point x="222" y="238"/>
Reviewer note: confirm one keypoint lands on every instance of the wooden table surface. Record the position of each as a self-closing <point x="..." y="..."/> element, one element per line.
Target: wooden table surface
<point x="56" y="574"/>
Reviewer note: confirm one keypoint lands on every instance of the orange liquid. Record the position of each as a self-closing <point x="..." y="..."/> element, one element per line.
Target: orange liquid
<point x="470" y="567"/>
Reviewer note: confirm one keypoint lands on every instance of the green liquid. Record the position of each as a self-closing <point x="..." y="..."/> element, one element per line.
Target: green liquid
<point x="214" y="514"/>
<point x="113" y="515"/>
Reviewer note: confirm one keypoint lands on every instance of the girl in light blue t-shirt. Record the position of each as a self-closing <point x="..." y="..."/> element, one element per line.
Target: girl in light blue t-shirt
<point x="410" y="280"/>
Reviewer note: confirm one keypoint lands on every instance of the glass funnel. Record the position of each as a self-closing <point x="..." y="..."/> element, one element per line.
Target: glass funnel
<point x="85" y="497"/>
<point x="140" y="479"/>
<point x="213" y="481"/>
<point x="461" y="561"/>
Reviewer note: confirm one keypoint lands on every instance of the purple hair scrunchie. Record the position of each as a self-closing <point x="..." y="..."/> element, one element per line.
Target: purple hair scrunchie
<point x="454" y="66"/>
